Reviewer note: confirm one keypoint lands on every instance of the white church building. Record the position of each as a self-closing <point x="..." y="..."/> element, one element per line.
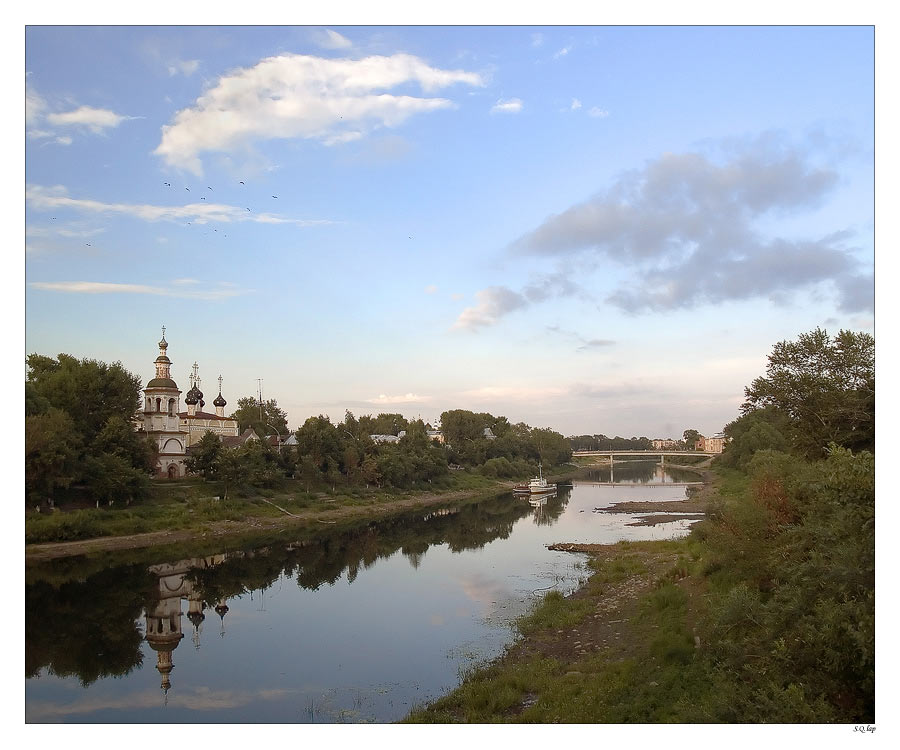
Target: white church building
<point x="172" y="429"/>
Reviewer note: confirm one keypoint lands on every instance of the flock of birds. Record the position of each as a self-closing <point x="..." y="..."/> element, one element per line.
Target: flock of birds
<point x="203" y="198"/>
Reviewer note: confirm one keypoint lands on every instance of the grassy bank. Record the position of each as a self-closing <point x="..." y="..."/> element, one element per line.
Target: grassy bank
<point x="190" y="509"/>
<point x="712" y="628"/>
<point x="192" y="504"/>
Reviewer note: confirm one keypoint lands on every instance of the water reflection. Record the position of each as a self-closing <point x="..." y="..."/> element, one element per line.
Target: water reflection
<point x="88" y="628"/>
<point x="339" y="624"/>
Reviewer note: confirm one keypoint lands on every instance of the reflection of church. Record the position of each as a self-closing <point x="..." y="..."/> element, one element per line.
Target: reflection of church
<point x="162" y="624"/>
<point x="173" y="430"/>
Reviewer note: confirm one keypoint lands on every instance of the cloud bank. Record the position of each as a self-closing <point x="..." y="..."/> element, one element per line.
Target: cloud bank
<point x="301" y="96"/>
<point x="692" y="229"/>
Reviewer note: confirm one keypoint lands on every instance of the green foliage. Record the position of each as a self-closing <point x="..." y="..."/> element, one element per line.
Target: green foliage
<point x="824" y="387"/>
<point x="205" y="454"/>
<point x="759" y="429"/>
<point x="267" y="420"/>
<point x="52" y="450"/>
<point x="113" y="478"/>
<point x="90" y="392"/>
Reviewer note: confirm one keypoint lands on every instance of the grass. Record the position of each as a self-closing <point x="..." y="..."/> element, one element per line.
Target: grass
<point x="651" y="676"/>
<point x="192" y="504"/>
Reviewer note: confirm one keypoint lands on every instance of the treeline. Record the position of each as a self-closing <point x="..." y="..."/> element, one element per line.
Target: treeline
<point x="790" y="633"/>
<point x="344" y="454"/>
<point x="81" y="443"/>
<point x="603" y="443"/>
<point x="79" y="437"/>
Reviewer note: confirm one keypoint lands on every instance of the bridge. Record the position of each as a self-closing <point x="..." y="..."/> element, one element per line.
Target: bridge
<point x="642" y="454"/>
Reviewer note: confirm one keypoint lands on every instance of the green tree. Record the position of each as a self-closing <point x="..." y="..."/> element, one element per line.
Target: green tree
<point x="320" y="440"/>
<point x="760" y="429"/>
<point x="89" y="391"/>
<point x="52" y="451"/>
<point x="690" y="438"/>
<point x="119" y="438"/>
<point x="204" y="455"/>
<point x="265" y="420"/>
<point x="824" y="386"/>
<point x="113" y="478"/>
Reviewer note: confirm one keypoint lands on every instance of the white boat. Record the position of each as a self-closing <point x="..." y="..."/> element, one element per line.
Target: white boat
<point x="536" y="486"/>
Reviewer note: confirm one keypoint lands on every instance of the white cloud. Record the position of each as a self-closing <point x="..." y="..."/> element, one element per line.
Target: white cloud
<point x="430" y="289"/>
<point x="222" y="290"/>
<point x="302" y="96"/>
<point x="576" y="104"/>
<point x="562" y="53"/>
<point x="63" y="140"/>
<point x="48" y="198"/>
<point x="597" y="112"/>
<point x="96" y="120"/>
<point x="511" y="106"/>
<point x="537" y="40"/>
<point x="493" y="303"/>
<point x="185" y="67"/>
<point x="328" y="39"/>
<point x="407" y="398"/>
<point x="35" y="105"/>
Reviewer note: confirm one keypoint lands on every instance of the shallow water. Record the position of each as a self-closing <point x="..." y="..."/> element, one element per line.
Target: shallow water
<point x="352" y="626"/>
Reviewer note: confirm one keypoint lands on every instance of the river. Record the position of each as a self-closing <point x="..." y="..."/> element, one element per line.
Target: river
<point x="355" y="625"/>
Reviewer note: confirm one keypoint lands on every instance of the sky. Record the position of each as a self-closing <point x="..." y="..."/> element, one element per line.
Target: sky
<point x="594" y="229"/>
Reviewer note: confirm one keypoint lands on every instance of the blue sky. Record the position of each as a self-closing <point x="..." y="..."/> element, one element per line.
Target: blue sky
<point x="595" y="229"/>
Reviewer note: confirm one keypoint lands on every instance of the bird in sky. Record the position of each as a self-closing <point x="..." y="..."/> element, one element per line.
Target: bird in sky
<point x="241" y="181"/>
<point x="202" y="198"/>
<point x="274" y="196"/>
<point x="208" y="187"/>
<point x="87" y="244"/>
<point x="188" y="189"/>
<point x="248" y="209"/>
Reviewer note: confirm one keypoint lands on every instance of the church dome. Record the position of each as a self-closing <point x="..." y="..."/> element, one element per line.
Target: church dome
<point x="219" y="401"/>
<point x="161" y="383"/>
<point x="191" y="396"/>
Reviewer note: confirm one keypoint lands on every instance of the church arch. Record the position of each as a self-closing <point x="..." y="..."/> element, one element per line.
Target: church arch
<point x="172" y="445"/>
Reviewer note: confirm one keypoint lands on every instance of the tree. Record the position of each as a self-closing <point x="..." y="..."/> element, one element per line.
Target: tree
<point x="119" y="438"/>
<point x="320" y="440"/>
<point x="89" y="391"/>
<point x="824" y="386"/>
<point x="760" y="429"/>
<point x="205" y="454"/>
<point x="265" y="421"/>
<point x="690" y="439"/>
<point x="52" y="448"/>
<point x="113" y="478"/>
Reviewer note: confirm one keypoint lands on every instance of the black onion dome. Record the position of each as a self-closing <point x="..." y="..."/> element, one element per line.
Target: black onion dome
<point x="219" y="401"/>
<point x="191" y="397"/>
<point x="202" y="402"/>
<point x="163" y="344"/>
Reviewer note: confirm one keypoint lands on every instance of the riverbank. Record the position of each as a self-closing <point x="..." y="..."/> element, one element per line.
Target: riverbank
<point x="207" y="519"/>
<point x="617" y="650"/>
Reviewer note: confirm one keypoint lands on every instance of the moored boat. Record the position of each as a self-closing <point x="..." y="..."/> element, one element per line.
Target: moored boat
<point x="536" y="486"/>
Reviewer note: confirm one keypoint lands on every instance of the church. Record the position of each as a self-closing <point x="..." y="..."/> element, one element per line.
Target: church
<point x="172" y="429"/>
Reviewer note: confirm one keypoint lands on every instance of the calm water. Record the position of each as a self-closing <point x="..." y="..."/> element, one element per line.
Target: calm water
<point x="356" y="626"/>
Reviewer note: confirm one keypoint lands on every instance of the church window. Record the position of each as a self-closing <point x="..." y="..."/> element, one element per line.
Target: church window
<point x="157" y="404"/>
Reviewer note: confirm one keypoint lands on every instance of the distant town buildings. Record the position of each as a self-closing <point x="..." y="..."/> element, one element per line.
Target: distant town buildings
<point x="663" y="443"/>
<point x="714" y="444"/>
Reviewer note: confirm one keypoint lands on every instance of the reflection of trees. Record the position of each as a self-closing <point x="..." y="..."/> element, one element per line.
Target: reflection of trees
<point x="324" y="559"/>
<point x="548" y="513"/>
<point x="86" y="629"/>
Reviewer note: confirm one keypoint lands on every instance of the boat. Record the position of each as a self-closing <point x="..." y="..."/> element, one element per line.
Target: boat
<point x="536" y="486"/>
